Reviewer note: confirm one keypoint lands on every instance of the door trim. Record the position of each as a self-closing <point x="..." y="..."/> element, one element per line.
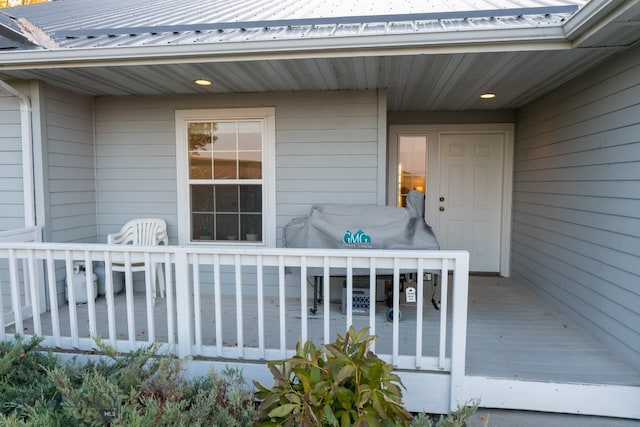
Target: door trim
<point x="432" y="132"/>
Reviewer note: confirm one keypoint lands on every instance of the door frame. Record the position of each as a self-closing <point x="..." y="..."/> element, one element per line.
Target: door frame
<point x="433" y="132"/>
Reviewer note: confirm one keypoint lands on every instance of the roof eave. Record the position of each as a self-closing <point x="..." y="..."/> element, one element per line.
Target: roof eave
<point x="594" y="16"/>
<point x="540" y="38"/>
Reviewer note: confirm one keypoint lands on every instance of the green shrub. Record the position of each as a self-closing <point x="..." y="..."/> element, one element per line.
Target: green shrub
<point x="24" y="382"/>
<point x="343" y="383"/>
<point x="142" y="388"/>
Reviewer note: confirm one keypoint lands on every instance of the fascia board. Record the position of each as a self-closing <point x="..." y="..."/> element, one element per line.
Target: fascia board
<point x="547" y="38"/>
<point x="594" y="16"/>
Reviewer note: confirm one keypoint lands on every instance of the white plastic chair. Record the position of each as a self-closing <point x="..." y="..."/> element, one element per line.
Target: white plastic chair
<point x="142" y="232"/>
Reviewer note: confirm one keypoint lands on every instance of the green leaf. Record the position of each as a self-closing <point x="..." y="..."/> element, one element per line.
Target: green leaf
<point x="344" y="373"/>
<point x="293" y="397"/>
<point x="283" y="410"/>
<point x="279" y="376"/>
<point x="344" y="397"/>
<point x="345" y="419"/>
<point x="316" y="375"/>
<point x="329" y="416"/>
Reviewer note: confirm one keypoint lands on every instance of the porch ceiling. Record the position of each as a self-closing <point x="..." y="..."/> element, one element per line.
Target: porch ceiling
<point x="435" y="82"/>
<point x="431" y="71"/>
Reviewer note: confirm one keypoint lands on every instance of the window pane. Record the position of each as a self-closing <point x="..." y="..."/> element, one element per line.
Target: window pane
<point x="250" y="164"/>
<point x="200" y="165"/>
<point x="251" y="198"/>
<point x="225" y="136"/>
<point x="249" y="136"/>
<point x="202" y="228"/>
<point x="226" y="198"/>
<point x="226" y="227"/>
<point x="225" y="165"/>
<point x="199" y="136"/>
<point x="251" y="226"/>
<point x="202" y="198"/>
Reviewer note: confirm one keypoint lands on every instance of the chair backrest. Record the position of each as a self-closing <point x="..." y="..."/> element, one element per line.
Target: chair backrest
<point x="142" y="232"/>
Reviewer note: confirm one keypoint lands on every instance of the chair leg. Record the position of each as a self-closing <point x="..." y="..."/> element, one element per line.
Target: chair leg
<point x="153" y="283"/>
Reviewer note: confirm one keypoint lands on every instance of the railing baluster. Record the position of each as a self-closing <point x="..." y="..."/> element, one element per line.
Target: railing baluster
<point x="444" y="292"/>
<point x="349" y="301"/>
<point x="170" y="295"/>
<point x="304" y="311"/>
<point x="73" y="312"/>
<point x="239" y="320"/>
<point x="197" y="302"/>
<point x="372" y="300"/>
<point x="150" y="294"/>
<point x="260" y="296"/>
<point x="326" y="303"/>
<point x="91" y="302"/>
<point x="217" y="295"/>
<point x="128" y="283"/>
<point x="15" y="291"/>
<point x="34" y="294"/>
<point x="53" y="297"/>
<point x="108" y="289"/>
<point x="419" y="312"/>
<point x="25" y="283"/>
<point x="283" y="313"/>
<point x="396" y="311"/>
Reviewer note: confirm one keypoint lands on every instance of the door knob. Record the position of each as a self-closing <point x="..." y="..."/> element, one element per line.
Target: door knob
<point x="442" y="199"/>
<point x="441" y="208"/>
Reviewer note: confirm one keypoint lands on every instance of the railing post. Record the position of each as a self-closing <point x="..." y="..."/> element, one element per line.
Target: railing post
<point x="460" y="296"/>
<point x="184" y="305"/>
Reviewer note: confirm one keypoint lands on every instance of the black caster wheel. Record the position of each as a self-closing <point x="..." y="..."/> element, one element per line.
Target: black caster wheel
<point x="389" y="314"/>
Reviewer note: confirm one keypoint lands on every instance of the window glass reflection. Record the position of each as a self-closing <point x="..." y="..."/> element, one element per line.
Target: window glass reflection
<point x="226" y="133"/>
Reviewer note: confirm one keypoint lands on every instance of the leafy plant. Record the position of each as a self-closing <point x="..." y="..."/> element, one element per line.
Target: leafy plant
<point x="343" y="383"/>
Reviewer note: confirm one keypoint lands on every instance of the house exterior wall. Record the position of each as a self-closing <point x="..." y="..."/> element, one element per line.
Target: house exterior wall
<point x="326" y="152"/>
<point x="576" y="215"/>
<point x="11" y="186"/>
<point x="69" y="162"/>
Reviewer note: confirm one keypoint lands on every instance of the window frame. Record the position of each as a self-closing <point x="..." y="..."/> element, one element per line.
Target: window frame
<point x="264" y="114"/>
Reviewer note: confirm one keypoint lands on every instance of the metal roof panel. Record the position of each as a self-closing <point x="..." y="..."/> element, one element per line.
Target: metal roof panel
<point x="108" y="23"/>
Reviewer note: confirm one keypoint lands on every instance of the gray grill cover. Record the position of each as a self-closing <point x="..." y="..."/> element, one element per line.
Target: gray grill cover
<point x="363" y="226"/>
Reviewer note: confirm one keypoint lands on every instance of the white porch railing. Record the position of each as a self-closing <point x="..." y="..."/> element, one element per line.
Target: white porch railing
<point x="245" y="304"/>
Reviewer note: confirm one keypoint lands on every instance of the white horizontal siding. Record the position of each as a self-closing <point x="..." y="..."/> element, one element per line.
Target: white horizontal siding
<point x="12" y="212"/>
<point x="71" y="215"/>
<point x="576" y="215"/>
<point x="326" y="152"/>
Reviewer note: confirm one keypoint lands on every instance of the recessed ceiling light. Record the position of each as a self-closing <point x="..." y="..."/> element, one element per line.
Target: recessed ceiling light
<point x="488" y="95"/>
<point x="203" y="82"/>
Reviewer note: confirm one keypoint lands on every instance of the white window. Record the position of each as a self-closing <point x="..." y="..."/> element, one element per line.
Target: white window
<point x="226" y="176"/>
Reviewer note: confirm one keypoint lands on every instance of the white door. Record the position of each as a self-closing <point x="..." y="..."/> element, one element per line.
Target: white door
<point x="469" y="196"/>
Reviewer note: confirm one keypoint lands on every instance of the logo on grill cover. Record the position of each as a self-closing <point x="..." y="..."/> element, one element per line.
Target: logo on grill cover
<point x="360" y="239"/>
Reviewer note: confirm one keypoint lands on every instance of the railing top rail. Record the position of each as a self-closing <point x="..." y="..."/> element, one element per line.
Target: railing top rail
<point x="239" y="250"/>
